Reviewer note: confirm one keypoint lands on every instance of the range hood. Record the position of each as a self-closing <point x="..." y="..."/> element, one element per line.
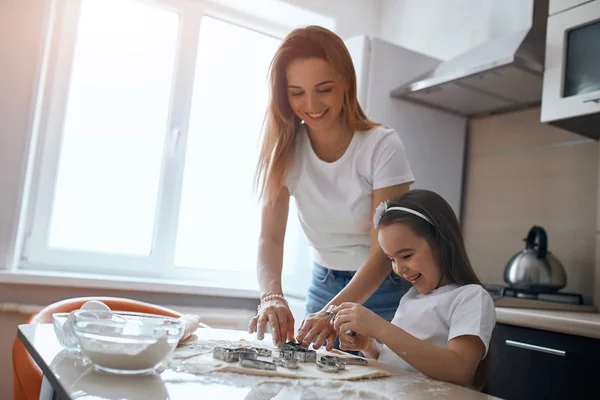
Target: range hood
<point x="500" y="75"/>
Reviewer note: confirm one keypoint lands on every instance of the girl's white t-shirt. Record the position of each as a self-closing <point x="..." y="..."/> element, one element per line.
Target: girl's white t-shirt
<point x="334" y="200"/>
<point x="445" y="313"/>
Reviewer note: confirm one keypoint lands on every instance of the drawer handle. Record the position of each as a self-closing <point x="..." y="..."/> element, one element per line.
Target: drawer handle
<point x="592" y="100"/>
<point x="536" y="348"/>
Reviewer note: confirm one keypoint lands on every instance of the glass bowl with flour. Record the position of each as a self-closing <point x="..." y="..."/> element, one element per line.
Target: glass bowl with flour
<point x="127" y="342"/>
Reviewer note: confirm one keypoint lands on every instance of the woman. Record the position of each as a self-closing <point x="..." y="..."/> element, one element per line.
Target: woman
<point x="320" y="147"/>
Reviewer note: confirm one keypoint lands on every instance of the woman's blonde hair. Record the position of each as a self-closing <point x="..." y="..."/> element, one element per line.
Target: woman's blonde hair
<point x="281" y="124"/>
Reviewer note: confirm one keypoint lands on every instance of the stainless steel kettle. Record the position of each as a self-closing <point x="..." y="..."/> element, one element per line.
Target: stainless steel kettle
<point x="535" y="268"/>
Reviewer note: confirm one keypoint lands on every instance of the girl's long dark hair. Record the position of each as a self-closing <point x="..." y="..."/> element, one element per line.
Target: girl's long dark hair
<point x="445" y="238"/>
<point x="443" y="235"/>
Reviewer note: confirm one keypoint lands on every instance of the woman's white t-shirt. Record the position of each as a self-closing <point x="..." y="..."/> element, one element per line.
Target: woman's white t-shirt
<point x="445" y="313"/>
<point x="334" y="199"/>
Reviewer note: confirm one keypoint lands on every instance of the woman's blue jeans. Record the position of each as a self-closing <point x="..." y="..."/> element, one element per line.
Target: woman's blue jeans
<point x="327" y="283"/>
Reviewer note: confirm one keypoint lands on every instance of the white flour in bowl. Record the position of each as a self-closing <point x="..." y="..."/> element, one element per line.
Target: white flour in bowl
<point x="127" y="356"/>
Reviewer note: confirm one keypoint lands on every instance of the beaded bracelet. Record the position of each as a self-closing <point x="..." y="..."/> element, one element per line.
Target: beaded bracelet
<point x="272" y="297"/>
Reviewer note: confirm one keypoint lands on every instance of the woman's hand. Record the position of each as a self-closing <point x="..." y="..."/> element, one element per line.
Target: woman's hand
<point x="281" y="321"/>
<point x="359" y="319"/>
<point x="318" y="330"/>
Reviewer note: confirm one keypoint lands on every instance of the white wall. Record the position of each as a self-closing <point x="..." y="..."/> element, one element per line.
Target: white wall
<point x="353" y="17"/>
<point x="446" y="28"/>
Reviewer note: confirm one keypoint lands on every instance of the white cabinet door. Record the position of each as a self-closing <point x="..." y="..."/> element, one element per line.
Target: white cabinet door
<point x="359" y="48"/>
<point x="572" y="71"/>
<point x="557" y="6"/>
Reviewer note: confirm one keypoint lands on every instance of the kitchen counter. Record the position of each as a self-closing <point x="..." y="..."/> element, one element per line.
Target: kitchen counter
<point x="569" y="322"/>
<point x="69" y="376"/>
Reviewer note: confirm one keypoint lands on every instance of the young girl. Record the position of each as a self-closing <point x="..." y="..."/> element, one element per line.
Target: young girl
<point x="444" y="323"/>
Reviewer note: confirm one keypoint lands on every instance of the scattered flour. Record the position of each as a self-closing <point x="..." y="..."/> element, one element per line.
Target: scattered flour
<point x="192" y="348"/>
<point x="276" y="388"/>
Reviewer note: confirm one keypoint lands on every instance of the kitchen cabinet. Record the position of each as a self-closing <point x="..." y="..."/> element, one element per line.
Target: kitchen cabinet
<point x="571" y="89"/>
<point x="534" y="364"/>
<point x="556" y="6"/>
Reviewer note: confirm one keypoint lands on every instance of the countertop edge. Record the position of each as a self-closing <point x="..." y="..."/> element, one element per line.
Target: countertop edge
<point x="571" y="323"/>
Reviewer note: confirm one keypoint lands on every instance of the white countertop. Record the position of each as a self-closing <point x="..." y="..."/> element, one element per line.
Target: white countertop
<point x="569" y="322"/>
<point x="76" y="379"/>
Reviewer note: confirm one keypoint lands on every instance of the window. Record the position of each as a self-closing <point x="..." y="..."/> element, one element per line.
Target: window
<point x="113" y="132"/>
<point x="228" y="103"/>
<point x="149" y="134"/>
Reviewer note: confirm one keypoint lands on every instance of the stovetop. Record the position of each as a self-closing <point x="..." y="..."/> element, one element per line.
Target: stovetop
<point x="497" y="291"/>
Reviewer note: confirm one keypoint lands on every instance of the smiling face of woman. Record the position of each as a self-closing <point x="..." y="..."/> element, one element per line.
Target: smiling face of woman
<point x="412" y="257"/>
<point x="315" y="92"/>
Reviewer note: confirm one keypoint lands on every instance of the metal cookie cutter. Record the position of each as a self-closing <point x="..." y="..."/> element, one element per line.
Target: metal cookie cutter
<point x="286" y="363"/>
<point x="263" y="352"/>
<point x="291" y="350"/>
<point x="290" y="346"/>
<point x="354" y="361"/>
<point x="258" y="364"/>
<point x="330" y="364"/>
<point x="286" y="355"/>
<point x="307" y="356"/>
<point x="231" y="355"/>
<point x="329" y="312"/>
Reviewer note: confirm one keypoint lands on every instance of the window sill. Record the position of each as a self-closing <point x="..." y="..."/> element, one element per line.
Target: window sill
<point x="136" y="284"/>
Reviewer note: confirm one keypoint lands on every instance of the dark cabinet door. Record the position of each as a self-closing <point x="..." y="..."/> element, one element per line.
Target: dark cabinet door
<point x="533" y="364"/>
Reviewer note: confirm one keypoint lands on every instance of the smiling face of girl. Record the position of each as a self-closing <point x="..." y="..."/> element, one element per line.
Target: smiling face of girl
<point x="412" y="257"/>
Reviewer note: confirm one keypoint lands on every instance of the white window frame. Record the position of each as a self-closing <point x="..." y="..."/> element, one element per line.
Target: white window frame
<point x="35" y="254"/>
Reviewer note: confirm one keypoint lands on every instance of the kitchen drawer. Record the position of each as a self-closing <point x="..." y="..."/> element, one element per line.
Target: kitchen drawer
<point x="533" y="364"/>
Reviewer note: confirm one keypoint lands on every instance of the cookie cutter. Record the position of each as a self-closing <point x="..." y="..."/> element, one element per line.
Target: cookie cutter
<point x="291" y="350"/>
<point x="286" y="363"/>
<point x="290" y="346"/>
<point x="262" y="352"/>
<point x="230" y="355"/>
<point x="331" y="364"/>
<point x="306" y="356"/>
<point x="286" y="355"/>
<point x="354" y="361"/>
<point x="329" y="312"/>
<point x="257" y="364"/>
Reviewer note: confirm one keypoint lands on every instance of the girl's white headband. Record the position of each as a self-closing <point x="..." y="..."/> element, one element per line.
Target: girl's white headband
<point x="383" y="208"/>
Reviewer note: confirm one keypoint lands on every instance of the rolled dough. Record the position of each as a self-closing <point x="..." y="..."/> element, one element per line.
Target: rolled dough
<point x="195" y="355"/>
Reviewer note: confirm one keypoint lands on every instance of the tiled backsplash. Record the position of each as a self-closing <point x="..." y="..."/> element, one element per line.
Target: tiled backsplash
<point x="520" y="173"/>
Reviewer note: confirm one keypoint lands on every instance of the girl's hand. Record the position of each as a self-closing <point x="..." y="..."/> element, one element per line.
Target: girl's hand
<point x="318" y="330"/>
<point x="358" y="342"/>
<point x="357" y="318"/>
<point x="281" y="321"/>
